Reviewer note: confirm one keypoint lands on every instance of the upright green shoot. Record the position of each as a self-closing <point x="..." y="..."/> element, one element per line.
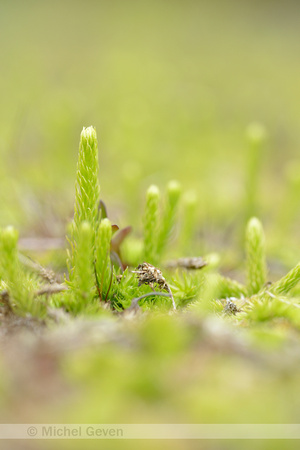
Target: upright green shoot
<point x="256" y="256"/>
<point x="9" y="264"/>
<point x="87" y="190"/>
<point x="19" y="286"/>
<point x="84" y="277"/>
<point x="103" y="263"/>
<point x="169" y="215"/>
<point x="151" y="223"/>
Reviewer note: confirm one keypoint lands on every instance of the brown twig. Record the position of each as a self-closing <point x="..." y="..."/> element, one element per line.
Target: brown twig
<point x="192" y="263"/>
<point x="46" y="274"/>
<point x="51" y="289"/>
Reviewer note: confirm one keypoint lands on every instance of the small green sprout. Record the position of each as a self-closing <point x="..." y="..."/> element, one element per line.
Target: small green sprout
<point x="151" y="223"/>
<point x="102" y="255"/>
<point x="256" y="256"/>
<point x="169" y="215"/>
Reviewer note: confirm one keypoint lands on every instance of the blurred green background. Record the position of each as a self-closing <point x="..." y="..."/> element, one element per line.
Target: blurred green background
<point x="170" y="86"/>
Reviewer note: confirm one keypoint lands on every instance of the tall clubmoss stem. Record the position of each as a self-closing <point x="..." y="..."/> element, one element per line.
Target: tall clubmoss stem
<point x="87" y="190"/>
<point x="151" y="219"/>
<point x="84" y="277"/>
<point x="256" y="256"/>
<point x="103" y="263"/>
<point x="169" y="215"/>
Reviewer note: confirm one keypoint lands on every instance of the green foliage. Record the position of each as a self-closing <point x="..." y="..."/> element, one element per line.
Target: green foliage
<point x="230" y="288"/>
<point x="87" y="190"/>
<point x="151" y="224"/>
<point x="206" y="303"/>
<point x="158" y="227"/>
<point x="93" y="278"/>
<point x="186" y="286"/>
<point x="269" y="309"/>
<point x="287" y="283"/>
<point x="124" y="290"/>
<point x="168" y="105"/>
<point x="83" y="284"/>
<point x="102" y="255"/>
<point x="9" y="257"/>
<point x="169" y="215"/>
<point x="20" y="285"/>
<point x="256" y="257"/>
<point x="206" y="300"/>
<point x="89" y="263"/>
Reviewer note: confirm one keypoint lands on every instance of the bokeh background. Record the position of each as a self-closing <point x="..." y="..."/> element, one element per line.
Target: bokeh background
<point x="170" y="87"/>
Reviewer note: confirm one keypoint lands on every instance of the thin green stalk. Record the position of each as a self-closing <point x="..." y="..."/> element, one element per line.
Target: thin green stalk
<point x="169" y="215"/>
<point x="151" y="219"/>
<point x="102" y="253"/>
<point x="256" y="256"/>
